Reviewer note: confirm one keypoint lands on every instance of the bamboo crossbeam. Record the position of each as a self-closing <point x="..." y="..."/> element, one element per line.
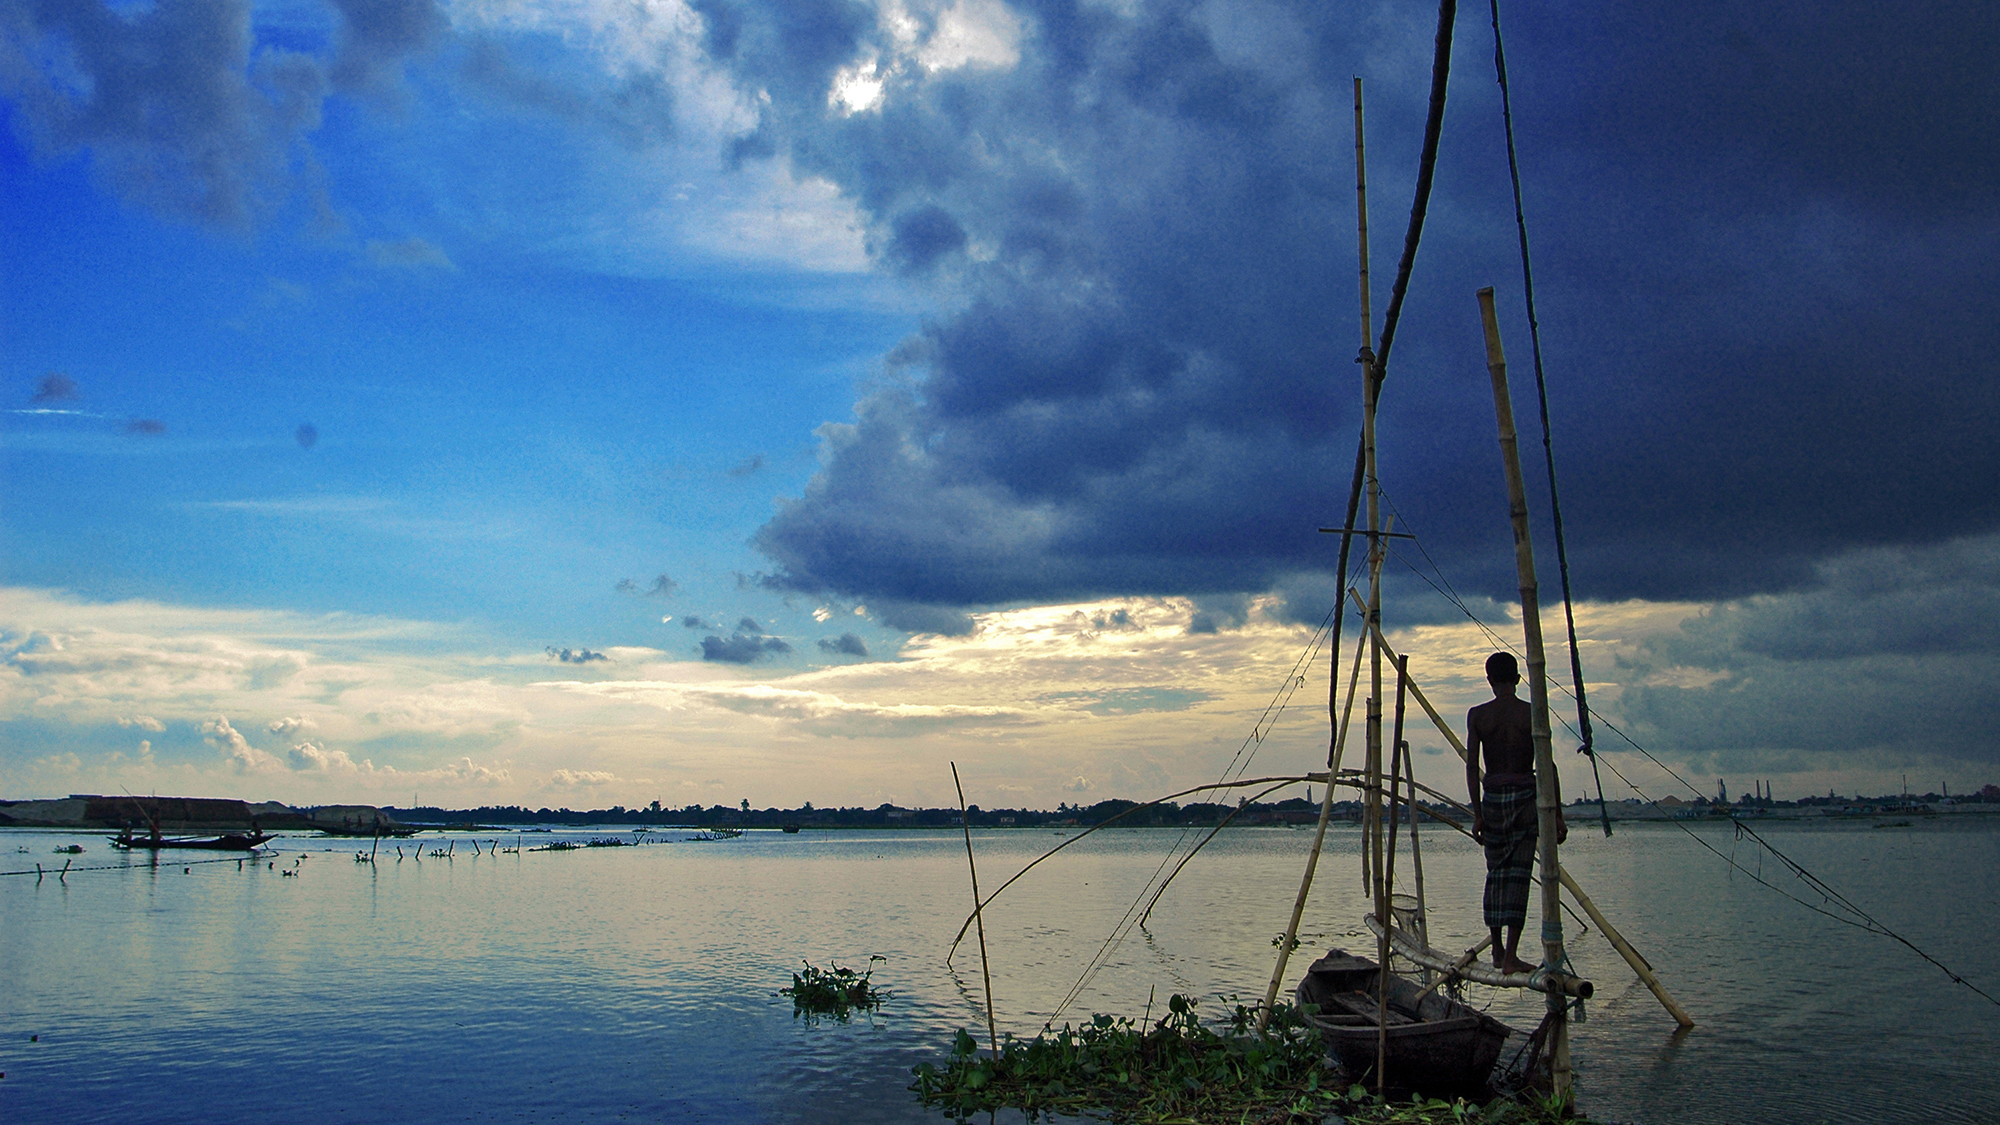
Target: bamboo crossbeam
<point x="1423" y="700"/>
<point x="1625" y="950"/>
<point x="1542" y="980"/>
<point x="1470" y="956"/>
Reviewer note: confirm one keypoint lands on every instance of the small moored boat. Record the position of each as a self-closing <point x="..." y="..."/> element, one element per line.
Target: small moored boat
<point x="1435" y="1044"/>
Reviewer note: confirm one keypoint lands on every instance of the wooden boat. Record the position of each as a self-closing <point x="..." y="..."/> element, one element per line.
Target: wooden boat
<point x="1435" y="1044"/>
<point x="226" y="842"/>
<point x="379" y="830"/>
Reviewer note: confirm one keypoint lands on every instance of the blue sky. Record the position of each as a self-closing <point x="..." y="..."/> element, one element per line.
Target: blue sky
<point x="586" y="403"/>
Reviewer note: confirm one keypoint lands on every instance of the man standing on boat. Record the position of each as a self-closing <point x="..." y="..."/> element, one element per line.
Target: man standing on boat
<point x="1503" y="805"/>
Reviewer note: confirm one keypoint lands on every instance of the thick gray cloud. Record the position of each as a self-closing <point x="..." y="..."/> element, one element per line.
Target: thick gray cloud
<point x="742" y="647"/>
<point x="847" y="644"/>
<point x="175" y="105"/>
<point x="1764" y="247"/>
<point x="1890" y="655"/>
<point x="199" y="111"/>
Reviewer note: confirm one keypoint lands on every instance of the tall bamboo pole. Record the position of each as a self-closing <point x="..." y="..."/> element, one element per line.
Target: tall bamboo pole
<point x="1370" y="386"/>
<point x="1368" y="368"/>
<point x="978" y="914"/>
<point x="1548" y="787"/>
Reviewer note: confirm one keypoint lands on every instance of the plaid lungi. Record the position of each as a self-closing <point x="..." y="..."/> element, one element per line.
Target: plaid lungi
<point x="1510" y="854"/>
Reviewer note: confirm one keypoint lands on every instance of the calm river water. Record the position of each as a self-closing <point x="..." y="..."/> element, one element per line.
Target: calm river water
<point x="638" y="983"/>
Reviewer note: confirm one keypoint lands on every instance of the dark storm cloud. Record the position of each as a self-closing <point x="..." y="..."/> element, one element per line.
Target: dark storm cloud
<point x="741" y="648"/>
<point x="580" y="656"/>
<point x="847" y="644"/>
<point x="748" y="466"/>
<point x="1765" y="254"/>
<point x="691" y="621"/>
<point x="179" y="107"/>
<point x="307" y="435"/>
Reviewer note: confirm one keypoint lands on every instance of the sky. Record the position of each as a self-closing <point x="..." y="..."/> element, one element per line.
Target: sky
<point x="573" y="403"/>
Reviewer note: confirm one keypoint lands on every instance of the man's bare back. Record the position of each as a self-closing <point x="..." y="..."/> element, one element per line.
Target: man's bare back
<point x="1502" y="731"/>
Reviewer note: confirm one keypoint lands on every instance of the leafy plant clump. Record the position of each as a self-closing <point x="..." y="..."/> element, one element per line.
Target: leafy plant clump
<point x="1182" y="1072"/>
<point x="1179" y="1070"/>
<point x="1363" y="1108"/>
<point x="834" y="991"/>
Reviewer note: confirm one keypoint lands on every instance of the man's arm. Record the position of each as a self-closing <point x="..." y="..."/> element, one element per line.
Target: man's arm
<point x="1472" y="776"/>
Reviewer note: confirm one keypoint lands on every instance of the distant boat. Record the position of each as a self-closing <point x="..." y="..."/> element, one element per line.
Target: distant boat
<point x="791" y="829"/>
<point x="378" y="829"/>
<point x="227" y="842"/>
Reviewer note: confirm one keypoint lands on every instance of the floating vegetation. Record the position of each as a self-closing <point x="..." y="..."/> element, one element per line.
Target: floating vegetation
<point x="72" y="849"/>
<point x="557" y="846"/>
<point x="607" y="842"/>
<point x="833" y="991"/>
<point x="1182" y="1071"/>
<point x="710" y="834"/>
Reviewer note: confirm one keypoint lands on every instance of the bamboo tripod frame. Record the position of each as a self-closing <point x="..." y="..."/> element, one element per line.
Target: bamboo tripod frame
<point x="1639" y="965"/>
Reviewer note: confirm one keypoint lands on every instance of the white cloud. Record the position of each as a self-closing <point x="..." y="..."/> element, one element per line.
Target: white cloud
<point x="570" y="778"/>
<point x="312" y="756"/>
<point x="143" y="722"/>
<point x="242" y="757"/>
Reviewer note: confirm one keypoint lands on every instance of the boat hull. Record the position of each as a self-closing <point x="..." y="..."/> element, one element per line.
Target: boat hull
<point x="1434" y="1043"/>
<point x="227" y="842"/>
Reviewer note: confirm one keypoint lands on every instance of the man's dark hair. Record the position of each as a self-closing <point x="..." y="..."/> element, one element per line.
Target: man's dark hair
<point x="1503" y="667"/>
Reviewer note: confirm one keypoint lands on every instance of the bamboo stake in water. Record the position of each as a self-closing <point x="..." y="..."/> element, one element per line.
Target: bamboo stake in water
<point x="978" y="914"/>
<point x="1548" y="787"/>
<point x="1319" y="840"/>
<point x="1625" y="950"/>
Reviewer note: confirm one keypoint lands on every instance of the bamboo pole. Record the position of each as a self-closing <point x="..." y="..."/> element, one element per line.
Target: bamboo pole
<point x="1396" y="761"/>
<point x="1632" y="957"/>
<point x="1319" y="841"/>
<point x="1416" y="850"/>
<point x="1368" y="368"/>
<point x="1556" y="984"/>
<point x="1548" y="786"/>
<point x="978" y="914"/>
<point x="1107" y="822"/>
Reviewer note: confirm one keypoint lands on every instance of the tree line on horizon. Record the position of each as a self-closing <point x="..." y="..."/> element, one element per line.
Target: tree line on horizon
<point x="1167" y="814"/>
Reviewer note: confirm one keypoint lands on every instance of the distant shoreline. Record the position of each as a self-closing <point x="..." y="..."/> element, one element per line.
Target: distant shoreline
<point x="88" y="812"/>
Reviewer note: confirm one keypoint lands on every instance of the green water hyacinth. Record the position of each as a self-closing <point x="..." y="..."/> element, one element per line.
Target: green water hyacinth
<point x="1182" y="1072"/>
<point x="1179" y="1070"/>
<point x="834" y="991"/>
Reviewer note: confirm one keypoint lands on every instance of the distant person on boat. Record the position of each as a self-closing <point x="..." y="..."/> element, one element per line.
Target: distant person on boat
<point x="1503" y="805"/>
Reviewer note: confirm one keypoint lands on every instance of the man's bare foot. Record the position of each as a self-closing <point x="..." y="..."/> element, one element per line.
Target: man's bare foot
<point x="1508" y="963"/>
